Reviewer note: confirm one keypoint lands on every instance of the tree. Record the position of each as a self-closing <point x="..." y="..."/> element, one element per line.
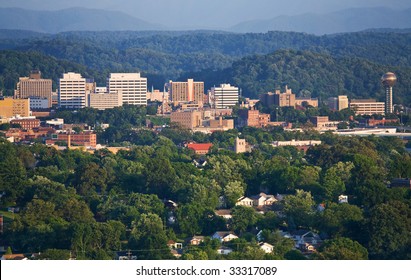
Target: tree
<point x="233" y="191"/>
<point x="299" y="208"/>
<point x="389" y="231"/>
<point x="160" y="176"/>
<point x="334" y="180"/>
<point x="91" y="179"/>
<point x="243" y="218"/>
<point x="189" y="218"/>
<point x="149" y="238"/>
<point x="12" y="175"/>
<point x="55" y="254"/>
<point x="341" y="219"/>
<point x="342" y="248"/>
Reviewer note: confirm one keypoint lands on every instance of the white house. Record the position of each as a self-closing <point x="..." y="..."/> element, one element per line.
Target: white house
<point x="267" y="248"/>
<point x="263" y="199"/>
<point x="224" y="250"/>
<point x="244" y="201"/>
<point x="225" y="213"/>
<point x="196" y="240"/>
<point x="224" y="236"/>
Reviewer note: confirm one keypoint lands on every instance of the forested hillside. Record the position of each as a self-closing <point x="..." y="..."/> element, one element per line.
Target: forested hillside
<point x="308" y="73"/>
<point x="324" y="66"/>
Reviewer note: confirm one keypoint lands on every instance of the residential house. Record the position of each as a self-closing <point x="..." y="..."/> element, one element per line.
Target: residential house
<point x="224" y="236"/>
<point x="244" y="201"/>
<point x="224" y="250"/>
<point x="306" y="240"/>
<point x="196" y="240"/>
<point x="343" y="199"/>
<point x="125" y="255"/>
<point x="174" y="245"/>
<point x="263" y="199"/>
<point x="225" y="213"/>
<point x="267" y="248"/>
<point x="176" y="248"/>
<point x="200" y="163"/>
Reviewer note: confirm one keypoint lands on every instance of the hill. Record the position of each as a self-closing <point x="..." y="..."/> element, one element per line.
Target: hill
<point x="73" y="19"/>
<point x="319" y="75"/>
<point x="349" y="20"/>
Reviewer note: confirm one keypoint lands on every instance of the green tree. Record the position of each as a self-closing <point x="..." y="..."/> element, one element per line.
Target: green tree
<point x="341" y="219"/>
<point x="342" y="248"/>
<point x="233" y="191"/>
<point x="149" y="238"/>
<point x="389" y="231"/>
<point x="243" y="218"/>
<point x="299" y="208"/>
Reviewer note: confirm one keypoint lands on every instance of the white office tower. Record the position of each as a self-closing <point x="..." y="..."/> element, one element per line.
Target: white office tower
<point x="131" y="85"/>
<point x="72" y="91"/>
<point x="224" y="96"/>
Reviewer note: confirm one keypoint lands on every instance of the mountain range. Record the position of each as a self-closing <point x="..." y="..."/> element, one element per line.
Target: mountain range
<point x="83" y="19"/>
<point x="72" y="19"/>
<point x="348" y="20"/>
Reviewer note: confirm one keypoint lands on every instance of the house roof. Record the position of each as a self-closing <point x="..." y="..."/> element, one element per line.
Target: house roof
<point x="266" y="245"/>
<point x="14" y="257"/>
<point x="199" y="237"/>
<point x="223" y="234"/>
<point x="223" y="212"/>
<point x="200" y="146"/>
<point x="244" y="198"/>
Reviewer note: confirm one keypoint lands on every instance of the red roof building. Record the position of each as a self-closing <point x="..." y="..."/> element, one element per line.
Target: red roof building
<point x="200" y="148"/>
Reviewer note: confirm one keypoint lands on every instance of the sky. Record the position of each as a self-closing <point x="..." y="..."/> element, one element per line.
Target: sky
<point x="207" y="13"/>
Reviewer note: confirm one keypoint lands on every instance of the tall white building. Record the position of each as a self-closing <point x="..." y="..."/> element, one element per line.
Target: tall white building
<point x="224" y="96"/>
<point x="72" y="91"/>
<point x="132" y="86"/>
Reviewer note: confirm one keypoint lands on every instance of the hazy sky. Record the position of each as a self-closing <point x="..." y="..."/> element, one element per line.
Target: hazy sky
<point x="206" y="13"/>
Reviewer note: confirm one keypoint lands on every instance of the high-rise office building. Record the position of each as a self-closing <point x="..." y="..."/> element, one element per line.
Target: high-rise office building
<point x="342" y="102"/>
<point x="224" y="96"/>
<point x="132" y="86"/>
<point x="72" y="91"/>
<point x="35" y="87"/>
<point x="189" y="91"/>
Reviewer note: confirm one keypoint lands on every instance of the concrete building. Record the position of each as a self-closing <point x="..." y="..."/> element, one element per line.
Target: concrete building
<point x="367" y="107"/>
<point x="338" y="103"/>
<point x="342" y="102"/>
<point x="10" y="107"/>
<point x="241" y="146"/>
<point x="252" y="118"/>
<point x="72" y="91"/>
<point x="156" y="95"/>
<point x="296" y="143"/>
<point x="102" y="101"/>
<point x="303" y="101"/>
<point x="190" y="91"/>
<point x="34" y="87"/>
<point x="224" y="96"/>
<point x="278" y="98"/>
<point x="323" y="123"/>
<point x="39" y="103"/>
<point x="189" y="119"/>
<point x="132" y="86"/>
